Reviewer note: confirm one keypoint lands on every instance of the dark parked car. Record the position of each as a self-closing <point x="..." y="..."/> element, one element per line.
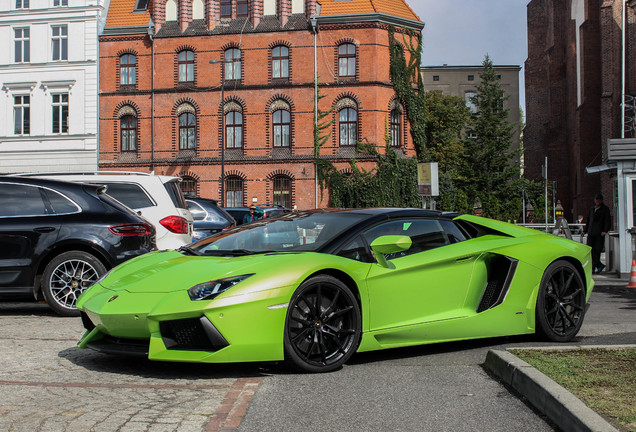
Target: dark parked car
<point x="269" y="211"/>
<point x="58" y="238"/>
<point x="208" y="217"/>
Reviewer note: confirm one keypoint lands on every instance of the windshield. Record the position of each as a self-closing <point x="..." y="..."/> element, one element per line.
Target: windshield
<point x="292" y="232"/>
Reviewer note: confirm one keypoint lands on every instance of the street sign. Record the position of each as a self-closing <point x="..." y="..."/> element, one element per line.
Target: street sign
<point x="427" y="179"/>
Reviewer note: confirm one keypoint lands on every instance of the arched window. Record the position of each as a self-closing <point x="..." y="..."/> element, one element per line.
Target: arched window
<point x="280" y="62"/>
<point x="347" y="60"/>
<point x="348" y="120"/>
<point x="171" y="10"/>
<point x="127" y="69"/>
<point x="128" y="130"/>
<point x="187" y="131"/>
<point x="188" y="185"/>
<point x="197" y="10"/>
<point x="282" y="191"/>
<point x="232" y="64"/>
<point x="186" y="66"/>
<point x="281" y="120"/>
<point x="396" y="125"/>
<point x="234" y="129"/>
<point x="234" y="191"/>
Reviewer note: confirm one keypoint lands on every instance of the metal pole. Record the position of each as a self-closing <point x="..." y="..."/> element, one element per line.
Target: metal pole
<point x="223" y="137"/>
<point x="546" y="193"/>
<point x="523" y="205"/>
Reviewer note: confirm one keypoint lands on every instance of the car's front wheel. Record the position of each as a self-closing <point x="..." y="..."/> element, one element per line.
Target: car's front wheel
<point x="561" y="302"/>
<point x="66" y="276"/>
<point x="323" y="325"/>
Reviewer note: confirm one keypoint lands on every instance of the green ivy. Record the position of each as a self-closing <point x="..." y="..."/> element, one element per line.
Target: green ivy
<point x="393" y="181"/>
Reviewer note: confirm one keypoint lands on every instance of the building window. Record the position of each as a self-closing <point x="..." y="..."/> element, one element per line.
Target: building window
<point x="21" y="4"/>
<point x="127" y="69"/>
<point x="226" y="8"/>
<point x="234" y="192"/>
<point x="186" y="66"/>
<point x="348" y="119"/>
<point x="435" y="77"/>
<point x="22" y="45"/>
<point x="128" y="128"/>
<point x="21" y="115"/>
<point x="188" y="186"/>
<point x="141" y="5"/>
<point x="242" y="8"/>
<point x="396" y="126"/>
<point x="234" y="129"/>
<point x="280" y="62"/>
<point x="282" y="191"/>
<point x="60" y="112"/>
<point x="187" y="131"/>
<point x="471" y="77"/>
<point x="281" y="120"/>
<point x="470" y="101"/>
<point x="59" y="42"/>
<point x="232" y="64"/>
<point x="64" y="2"/>
<point x="347" y="60"/>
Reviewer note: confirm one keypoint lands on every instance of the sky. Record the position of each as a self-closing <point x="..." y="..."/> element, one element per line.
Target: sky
<point x="462" y="32"/>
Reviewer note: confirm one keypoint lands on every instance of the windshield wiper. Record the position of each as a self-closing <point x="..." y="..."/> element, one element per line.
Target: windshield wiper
<point x="233" y="252"/>
<point x="187" y="251"/>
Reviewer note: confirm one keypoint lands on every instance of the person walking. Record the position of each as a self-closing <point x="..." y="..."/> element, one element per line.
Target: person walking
<point x="596" y="227"/>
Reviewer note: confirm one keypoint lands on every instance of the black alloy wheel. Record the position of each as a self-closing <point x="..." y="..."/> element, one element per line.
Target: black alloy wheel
<point x="323" y="325"/>
<point x="561" y="302"/>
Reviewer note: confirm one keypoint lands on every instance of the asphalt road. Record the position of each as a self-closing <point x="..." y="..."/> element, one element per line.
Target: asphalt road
<point x="47" y="384"/>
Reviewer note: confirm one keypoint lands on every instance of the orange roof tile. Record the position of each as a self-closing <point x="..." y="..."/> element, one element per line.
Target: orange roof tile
<point x="121" y="14"/>
<point x="397" y="8"/>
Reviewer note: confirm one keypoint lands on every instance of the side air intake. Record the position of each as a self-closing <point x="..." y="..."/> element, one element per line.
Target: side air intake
<point x="501" y="270"/>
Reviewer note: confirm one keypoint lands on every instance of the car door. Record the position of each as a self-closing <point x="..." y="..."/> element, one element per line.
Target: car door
<point x="27" y="228"/>
<point x="427" y="282"/>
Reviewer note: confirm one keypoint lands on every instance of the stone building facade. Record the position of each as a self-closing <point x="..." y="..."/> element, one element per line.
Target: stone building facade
<point x="221" y="92"/>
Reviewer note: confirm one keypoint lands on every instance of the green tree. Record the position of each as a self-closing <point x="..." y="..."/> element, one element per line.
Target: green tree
<point x="488" y="169"/>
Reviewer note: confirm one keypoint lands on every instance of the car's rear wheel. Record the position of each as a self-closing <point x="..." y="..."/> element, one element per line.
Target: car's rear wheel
<point x="66" y="276"/>
<point x="323" y="325"/>
<point x="561" y="302"/>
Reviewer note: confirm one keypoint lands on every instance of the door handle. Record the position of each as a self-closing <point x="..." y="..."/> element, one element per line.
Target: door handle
<point x="44" y="229"/>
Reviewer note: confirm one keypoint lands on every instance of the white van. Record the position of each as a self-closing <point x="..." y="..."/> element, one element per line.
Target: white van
<point x="157" y="198"/>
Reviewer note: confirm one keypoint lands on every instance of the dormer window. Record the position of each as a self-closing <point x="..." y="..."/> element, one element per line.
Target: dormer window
<point x="141" y="5"/>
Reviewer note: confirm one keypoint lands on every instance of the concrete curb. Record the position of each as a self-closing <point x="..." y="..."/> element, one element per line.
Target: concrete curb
<point x="561" y="406"/>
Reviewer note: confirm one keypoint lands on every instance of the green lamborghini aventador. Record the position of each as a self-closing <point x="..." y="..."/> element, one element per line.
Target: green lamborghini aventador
<point x="313" y="287"/>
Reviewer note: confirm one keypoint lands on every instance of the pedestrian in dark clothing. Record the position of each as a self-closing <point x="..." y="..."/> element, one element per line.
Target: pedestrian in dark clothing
<point x="596" y="227"/>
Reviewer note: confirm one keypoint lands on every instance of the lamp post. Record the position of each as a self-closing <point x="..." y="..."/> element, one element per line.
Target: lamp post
<point x="214" y="61"/>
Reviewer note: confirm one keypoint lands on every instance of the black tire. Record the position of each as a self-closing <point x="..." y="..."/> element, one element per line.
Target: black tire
<point x="66" y="276"/>
<point x="560" y="302"/>
<point x="323" y="325"/>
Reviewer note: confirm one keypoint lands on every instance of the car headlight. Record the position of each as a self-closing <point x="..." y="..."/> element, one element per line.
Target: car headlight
<point x="209" y="290"/>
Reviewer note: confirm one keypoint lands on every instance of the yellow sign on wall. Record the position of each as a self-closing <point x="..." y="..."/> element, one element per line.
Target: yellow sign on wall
<point x="427" y="179"/>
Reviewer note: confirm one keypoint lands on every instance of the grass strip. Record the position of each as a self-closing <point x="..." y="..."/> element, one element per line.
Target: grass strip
<point x="604" y="379"/>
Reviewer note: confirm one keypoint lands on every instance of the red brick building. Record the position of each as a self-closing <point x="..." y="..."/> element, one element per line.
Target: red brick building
<point x="180" y="80"/>
<point x="574" y="88"/>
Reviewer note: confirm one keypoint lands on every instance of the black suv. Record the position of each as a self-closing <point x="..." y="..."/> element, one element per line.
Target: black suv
<point x="58" y="238"/>
<point x="208" y="217"/>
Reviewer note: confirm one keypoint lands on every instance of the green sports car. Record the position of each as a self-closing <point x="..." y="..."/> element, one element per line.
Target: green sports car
<point x="313" y="287"/>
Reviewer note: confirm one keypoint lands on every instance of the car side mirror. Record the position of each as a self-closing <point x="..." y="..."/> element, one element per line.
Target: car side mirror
<point x="389" y="244"/>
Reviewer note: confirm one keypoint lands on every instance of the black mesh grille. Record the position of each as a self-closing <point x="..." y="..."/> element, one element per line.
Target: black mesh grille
<point x="501" y="270"/>
<point x="192" y="334"/>
<point x="491" y="294"/>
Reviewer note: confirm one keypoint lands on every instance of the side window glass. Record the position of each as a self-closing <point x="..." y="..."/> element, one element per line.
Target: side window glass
<point x="452" y="231"/>
<point x="195" y="209"/>
<point x="355" y="250"/>
<point x="425" y="234"/>
<point x="61" y="204"/>
<point x="130" y="195"/>
<point x="21" y="200"/>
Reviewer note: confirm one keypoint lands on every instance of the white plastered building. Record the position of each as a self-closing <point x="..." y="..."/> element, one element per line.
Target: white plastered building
<point x="49" y="85"/>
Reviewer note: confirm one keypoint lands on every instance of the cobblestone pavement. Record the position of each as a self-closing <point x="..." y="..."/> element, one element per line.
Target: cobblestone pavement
<point x="48" y="384"/>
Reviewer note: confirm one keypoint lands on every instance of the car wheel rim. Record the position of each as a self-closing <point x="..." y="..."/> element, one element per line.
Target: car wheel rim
<point x="564" y="302"/>
<point x="69" y="280"/>
<point x="322" y="325"/>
